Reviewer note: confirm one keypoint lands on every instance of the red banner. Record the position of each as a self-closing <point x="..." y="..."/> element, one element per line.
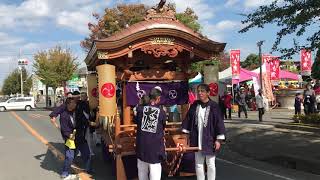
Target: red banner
<point x="274" y="68"/>
<point x="235" y="63"/>
<point x="306" y="62"/>
<point x="266" y="58"/>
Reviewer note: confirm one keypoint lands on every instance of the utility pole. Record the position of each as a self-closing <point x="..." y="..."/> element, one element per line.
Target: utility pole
<point x="259" y="44"/>
<point x="21" y="74"/>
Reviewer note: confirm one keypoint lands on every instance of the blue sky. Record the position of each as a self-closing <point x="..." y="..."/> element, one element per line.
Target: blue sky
<point x="34" y="25"/>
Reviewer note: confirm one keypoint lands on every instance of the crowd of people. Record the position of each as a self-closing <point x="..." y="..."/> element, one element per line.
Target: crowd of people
<point x="75" y="124"/>
<point x="244" y="99"/>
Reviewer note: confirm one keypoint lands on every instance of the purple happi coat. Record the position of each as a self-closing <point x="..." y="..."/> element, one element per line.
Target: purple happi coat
<point x="212" y="127"/>
<point x="150" y="133"/>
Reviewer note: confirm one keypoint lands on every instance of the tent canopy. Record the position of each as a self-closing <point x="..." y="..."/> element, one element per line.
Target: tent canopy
<point x="283" y="74"/>
<point x="245" y="75"/>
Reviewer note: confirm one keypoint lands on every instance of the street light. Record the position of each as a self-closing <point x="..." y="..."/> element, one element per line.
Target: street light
<point x="259" y="44"/>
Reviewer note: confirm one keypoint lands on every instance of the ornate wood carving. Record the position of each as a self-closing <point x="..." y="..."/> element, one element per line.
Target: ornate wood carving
<point x="162" y="50"/>
<point x="103" y="55"/>
<point x="161" y="12"/>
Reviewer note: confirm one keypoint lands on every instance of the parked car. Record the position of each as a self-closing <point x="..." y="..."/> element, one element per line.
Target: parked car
<point x="18" y="103"/>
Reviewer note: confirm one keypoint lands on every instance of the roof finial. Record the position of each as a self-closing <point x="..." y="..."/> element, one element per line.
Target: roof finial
<point x="161" y="4"/>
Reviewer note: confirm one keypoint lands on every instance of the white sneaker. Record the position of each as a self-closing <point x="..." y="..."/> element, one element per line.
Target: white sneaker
<point x="71" y="177"/>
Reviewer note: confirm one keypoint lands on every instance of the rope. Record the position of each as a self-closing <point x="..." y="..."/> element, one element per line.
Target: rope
<point x="176" y="161"/>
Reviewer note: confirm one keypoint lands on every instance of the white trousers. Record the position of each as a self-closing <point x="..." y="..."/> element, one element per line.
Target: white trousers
<point x="147" y="171"/>
<point x="211" y="166"/>
<point x="90" y="141"/>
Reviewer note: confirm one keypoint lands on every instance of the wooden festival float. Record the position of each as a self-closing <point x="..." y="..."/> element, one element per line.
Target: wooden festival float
<point x="156" y="51"/>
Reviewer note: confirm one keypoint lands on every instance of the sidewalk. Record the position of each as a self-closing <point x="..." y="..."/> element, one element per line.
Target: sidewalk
<point x="275" y="141"/>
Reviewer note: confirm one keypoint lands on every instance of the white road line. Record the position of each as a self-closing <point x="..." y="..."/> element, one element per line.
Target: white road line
<point x="255" y="169"/>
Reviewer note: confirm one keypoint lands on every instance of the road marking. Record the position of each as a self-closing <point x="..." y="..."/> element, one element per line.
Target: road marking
<point x="255" y="169"/>
<point x="55" y="151"/>
<point x="37" y="115"/>
<point x="1" y="137"/>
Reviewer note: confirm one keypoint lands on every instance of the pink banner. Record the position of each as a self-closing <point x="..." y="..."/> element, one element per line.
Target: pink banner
<point x="306" y="62"/>
<point x="266" y="58"/>
<point x="274" y="68"/>
<point x="235" y="63"/>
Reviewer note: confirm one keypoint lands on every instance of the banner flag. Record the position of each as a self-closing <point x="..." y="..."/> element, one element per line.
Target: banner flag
<point x="235" y="63"/>
<point x="274" y="68"/>
<point x="305" y="62"/>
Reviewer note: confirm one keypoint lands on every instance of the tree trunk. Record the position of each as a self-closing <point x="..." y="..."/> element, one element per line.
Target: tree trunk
<point x="47" y="99"/>
<point x="54" y="97"/>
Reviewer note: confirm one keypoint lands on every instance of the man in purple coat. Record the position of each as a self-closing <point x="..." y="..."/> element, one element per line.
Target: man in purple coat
<point x="150" y="133"/>
<point x="205" y="127"/>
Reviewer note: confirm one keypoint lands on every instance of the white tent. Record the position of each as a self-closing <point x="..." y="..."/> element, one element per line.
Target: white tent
<point x="225" y="75"/>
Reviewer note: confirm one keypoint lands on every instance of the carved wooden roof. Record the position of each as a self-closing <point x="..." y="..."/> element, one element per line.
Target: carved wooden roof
<point x="158" y="23"/>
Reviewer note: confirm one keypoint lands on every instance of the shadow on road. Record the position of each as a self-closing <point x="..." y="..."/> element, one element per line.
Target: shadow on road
<point x="102" y="170"/>
<point x="287" y="149"/>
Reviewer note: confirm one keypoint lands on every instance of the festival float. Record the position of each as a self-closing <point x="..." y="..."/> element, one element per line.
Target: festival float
<point x="127" y="65"/>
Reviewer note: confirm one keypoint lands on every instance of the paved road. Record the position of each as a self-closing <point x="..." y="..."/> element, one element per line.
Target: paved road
<point x="23" y="156"/>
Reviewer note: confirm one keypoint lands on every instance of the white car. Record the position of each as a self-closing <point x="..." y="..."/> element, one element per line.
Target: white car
<point x="18" y="103"/>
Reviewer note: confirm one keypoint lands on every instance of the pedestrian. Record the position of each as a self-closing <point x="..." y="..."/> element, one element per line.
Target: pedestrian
<point x="297" y="104"/>
<point x="242" y="103"/>
<point x="69" y="127"/>
<point x="227" y="104"/>
<point x="91" y="129"/>
<point x="260" y="104"/>
<point x="223" y="108"/>
<point x="150" y="147"/>
<point x="58" y="110"/>
<point x="206" y="130"/>
<point x="309" y="100"/>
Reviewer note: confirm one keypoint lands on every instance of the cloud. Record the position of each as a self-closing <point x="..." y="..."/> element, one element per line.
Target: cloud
<point x="256" y="3"/>
<point x="231" y="3"/>
<point x="217" y="31"/>
<point x="35" y="14"/>
<point x="7" y="40"/>
<point x="227" y="25"/>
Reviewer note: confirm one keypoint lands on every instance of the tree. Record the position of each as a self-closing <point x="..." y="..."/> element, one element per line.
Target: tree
<point x="251" y="62"/>
<point x="290" y="66"/>
<point x="223" y="61"/>
<point x="12" y="84"/>
<point x="315" y="72"/>
<point x="125" y="15"/>
<point x="294" y="18"/>
<point x="54" y="67"/>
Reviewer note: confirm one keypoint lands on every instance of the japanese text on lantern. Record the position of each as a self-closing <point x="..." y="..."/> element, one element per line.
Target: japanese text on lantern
<point x="305" y="63"/>
<point x="235" y="63"/>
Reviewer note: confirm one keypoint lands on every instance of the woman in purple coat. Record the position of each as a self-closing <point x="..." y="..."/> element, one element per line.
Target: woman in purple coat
<point x="205" y="127"/>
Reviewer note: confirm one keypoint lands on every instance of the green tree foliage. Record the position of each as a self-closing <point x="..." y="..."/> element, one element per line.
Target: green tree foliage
<point x="251" y="62"/>
<point x="190" y="19"/>
<point x="223" y="61"/>
<point x="315" y="72"/>
<point x="295" y="17"/>
<point x="124" y="15"/>
<point x="55" y="66"/>
<point x="290" y="66"/>
<point x="12" y="84"/>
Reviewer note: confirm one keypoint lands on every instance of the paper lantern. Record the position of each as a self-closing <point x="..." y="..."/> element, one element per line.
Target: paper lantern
<point x="107" y="90"/>
<point x="93" y="92"/>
